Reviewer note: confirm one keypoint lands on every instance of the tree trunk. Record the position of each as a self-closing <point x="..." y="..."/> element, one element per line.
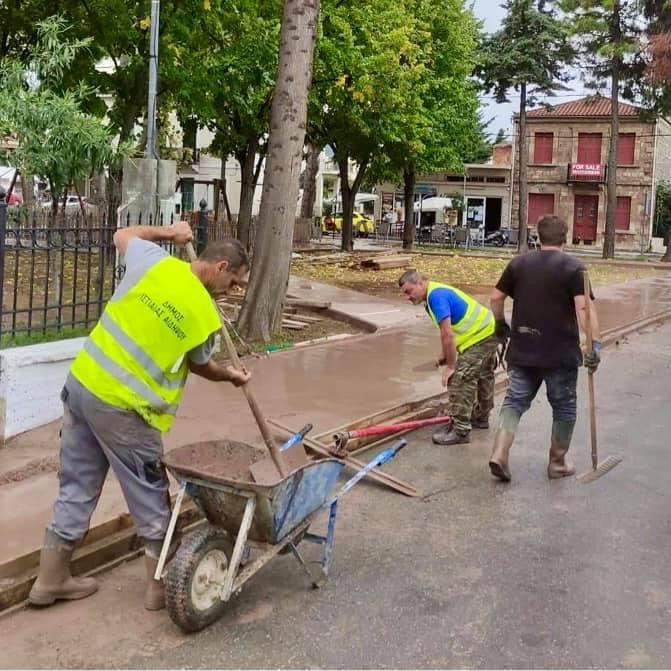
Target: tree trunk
<point x="611" y="188"/>
<point x="12" y="184"/>
<point x="261" y="313"/>
<point x="247" y="160"/>
<point x="522" y="245"/>
<point x="310" y="182"/>
<point x="667" y="242"/>
<point x="348" y="194"/>
<point x="28" y="190"/>
<point x="409" y="178"/>
<point x="346" y="233"/>
<point x="224" y="190"/>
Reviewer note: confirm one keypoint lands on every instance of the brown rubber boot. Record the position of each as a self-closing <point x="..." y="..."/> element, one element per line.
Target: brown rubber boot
<point x="558" y="467"/>
<point x="54" y="580"/>
<point x="498" y="462"/>
<point x="154" y="595"/>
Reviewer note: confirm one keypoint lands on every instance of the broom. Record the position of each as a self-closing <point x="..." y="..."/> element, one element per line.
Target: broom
<point x="609" y="463"/>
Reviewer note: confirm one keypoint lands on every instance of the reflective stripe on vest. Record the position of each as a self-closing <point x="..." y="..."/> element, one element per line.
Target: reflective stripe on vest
<point x="476" y="324"/>
<point x="136" y="356"/>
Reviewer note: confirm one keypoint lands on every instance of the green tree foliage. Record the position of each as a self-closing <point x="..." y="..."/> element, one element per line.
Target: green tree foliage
<point x="56" y="138"/>
<point x="367" y="70"/>
<point x="439" y="126"/>
<point x="528" y="55"/>
<point x="223" y="61"/>
<point x="608" y="33"/>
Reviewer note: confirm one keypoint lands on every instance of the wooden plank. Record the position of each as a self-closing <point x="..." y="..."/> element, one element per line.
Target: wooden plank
<point x="353" y="464"/>
<point x="308" y="318"/>
<point x="383" y="416"/>
<point x="308" y="303"/>
<point x="294" y="322"/>
<point x="14" y="587"/>
<point x="291" y="326"/>
<point x="356" y="444"/>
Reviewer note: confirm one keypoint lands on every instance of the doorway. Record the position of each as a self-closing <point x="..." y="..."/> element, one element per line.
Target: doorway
<point x="585" y="216"/>
<point x="493" y="214"/>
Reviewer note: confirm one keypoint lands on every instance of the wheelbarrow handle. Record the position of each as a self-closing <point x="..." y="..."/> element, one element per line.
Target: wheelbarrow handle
<point x="382" y="458"/>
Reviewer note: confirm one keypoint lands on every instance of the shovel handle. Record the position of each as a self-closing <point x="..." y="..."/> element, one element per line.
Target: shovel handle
<point x="589" y="342"/>
<point x="251" y="400"/>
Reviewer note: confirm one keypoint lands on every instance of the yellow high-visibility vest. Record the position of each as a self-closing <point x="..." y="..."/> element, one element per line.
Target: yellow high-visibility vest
<point x="476" y="324"/>
<point x="135" y="357"/>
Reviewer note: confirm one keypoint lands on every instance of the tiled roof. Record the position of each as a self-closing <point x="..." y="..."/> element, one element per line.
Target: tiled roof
<point x="592" y="106"/>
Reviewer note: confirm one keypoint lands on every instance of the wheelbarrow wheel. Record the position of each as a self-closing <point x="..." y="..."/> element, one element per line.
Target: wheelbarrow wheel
<point x="194" y="579"/>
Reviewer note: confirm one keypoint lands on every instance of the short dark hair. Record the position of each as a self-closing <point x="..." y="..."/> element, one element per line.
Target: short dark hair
<point x="228" y="249"/>
<point x="411" y="275"/>
<point x="552" y="230"/>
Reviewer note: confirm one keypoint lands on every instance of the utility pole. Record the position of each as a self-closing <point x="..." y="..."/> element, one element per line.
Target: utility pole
<point x="150" y="149"/>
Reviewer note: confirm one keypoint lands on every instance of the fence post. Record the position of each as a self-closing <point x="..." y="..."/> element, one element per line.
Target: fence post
<point x="3" y="233"/>
<point x="201" y="227"/>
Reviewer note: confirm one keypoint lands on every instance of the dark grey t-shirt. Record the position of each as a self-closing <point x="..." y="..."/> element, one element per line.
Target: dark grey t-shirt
<point x="140" y="257"/>
<point x="543" y="286"/>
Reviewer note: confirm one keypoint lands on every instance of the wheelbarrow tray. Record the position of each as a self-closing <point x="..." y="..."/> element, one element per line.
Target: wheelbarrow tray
<point x="280" y="507"/>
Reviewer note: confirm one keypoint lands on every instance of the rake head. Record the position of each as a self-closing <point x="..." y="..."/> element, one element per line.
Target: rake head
<point x="608" y="464"/>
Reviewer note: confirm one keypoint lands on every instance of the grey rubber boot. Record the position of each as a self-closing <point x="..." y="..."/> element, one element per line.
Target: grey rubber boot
<point x="558" y="467"/>
<point x="54" y="580"/>
<point x="154" y="595"/>
<point x="451" y="437"/>
<point x="498" y="462"/>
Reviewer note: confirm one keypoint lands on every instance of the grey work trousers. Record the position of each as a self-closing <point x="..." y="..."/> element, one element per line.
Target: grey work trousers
<point x="94" y="437"/>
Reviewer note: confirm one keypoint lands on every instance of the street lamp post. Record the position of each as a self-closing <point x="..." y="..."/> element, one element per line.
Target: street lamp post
<point x="150" y="149"/>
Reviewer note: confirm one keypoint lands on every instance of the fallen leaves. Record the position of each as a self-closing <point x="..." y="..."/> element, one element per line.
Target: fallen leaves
<point x="476" y="275"/>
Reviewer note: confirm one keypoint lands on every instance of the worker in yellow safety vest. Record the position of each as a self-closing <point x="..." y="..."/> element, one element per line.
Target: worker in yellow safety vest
<point x="468" y="352"/>
<point x="123" y="391"/>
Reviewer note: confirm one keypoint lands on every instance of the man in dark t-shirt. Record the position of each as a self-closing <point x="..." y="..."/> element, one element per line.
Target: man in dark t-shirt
<point x="547" y="288"/>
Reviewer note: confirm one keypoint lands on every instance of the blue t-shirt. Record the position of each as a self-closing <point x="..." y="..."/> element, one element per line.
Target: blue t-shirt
<point x="445" y="303"/>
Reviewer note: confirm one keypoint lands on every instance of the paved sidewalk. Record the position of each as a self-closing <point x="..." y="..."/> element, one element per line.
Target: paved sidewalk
<point x="327" y="385"/>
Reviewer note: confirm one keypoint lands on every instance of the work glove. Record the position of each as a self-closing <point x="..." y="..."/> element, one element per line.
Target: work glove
<point x="502" y="330"/>
<point x="593" y="358"/>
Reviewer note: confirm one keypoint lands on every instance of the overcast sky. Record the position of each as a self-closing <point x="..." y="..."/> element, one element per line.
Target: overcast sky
<point x="491" y="13"/>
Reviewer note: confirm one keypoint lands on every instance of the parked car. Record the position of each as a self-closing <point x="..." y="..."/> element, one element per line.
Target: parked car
<point x="71" y="204"/>
<point x="362" y="226"/>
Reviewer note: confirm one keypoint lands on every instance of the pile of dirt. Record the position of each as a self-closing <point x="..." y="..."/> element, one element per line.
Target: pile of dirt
<point x="34" y="467"/>
<point x="225" y="459"/>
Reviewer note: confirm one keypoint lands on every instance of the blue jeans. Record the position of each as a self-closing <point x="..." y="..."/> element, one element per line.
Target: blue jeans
<point x="561" y="384"/>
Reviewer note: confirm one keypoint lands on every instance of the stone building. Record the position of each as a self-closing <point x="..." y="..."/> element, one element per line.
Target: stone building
<point x="568" y="155"/>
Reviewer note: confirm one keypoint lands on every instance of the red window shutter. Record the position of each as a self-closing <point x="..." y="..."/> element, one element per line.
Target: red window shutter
<point x="589" y="148"/>
<point x="540" y="204"/>
<point x="543" y="147"/>
<point x="626" y="144"/>
<point x="623" y="213"/>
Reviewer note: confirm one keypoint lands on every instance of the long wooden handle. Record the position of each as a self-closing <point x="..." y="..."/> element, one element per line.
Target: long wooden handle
<point x="589" y="342"/>
<point x="253" y="405"/>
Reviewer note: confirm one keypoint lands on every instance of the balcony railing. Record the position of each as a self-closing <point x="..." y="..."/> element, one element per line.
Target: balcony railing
<point x="594" y="173"/>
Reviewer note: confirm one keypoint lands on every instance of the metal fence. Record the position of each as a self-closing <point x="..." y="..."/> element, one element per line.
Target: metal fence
<point x="59" y="271"/>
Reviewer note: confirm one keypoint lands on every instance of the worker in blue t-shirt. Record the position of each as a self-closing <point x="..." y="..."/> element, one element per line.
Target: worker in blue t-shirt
<point x="468" y="352"/>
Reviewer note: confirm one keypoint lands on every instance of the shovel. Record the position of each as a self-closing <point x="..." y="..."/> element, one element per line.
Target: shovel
<point x="265" y="471"/>
<point x="609" y="463"/>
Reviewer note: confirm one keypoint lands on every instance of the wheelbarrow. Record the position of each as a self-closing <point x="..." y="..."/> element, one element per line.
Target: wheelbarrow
<point x="243" y="519"/>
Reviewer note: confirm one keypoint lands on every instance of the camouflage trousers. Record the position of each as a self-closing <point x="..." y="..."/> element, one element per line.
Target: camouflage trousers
<point x="471" y="390"/>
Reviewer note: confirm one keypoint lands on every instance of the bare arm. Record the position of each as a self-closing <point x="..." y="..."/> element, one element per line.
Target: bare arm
<point x="449" y="350"/>
<point x="594" y="319"/>
<point x="497" y="302"/>
<point x="217" y="373"/>
<point x="180" y="233"/>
